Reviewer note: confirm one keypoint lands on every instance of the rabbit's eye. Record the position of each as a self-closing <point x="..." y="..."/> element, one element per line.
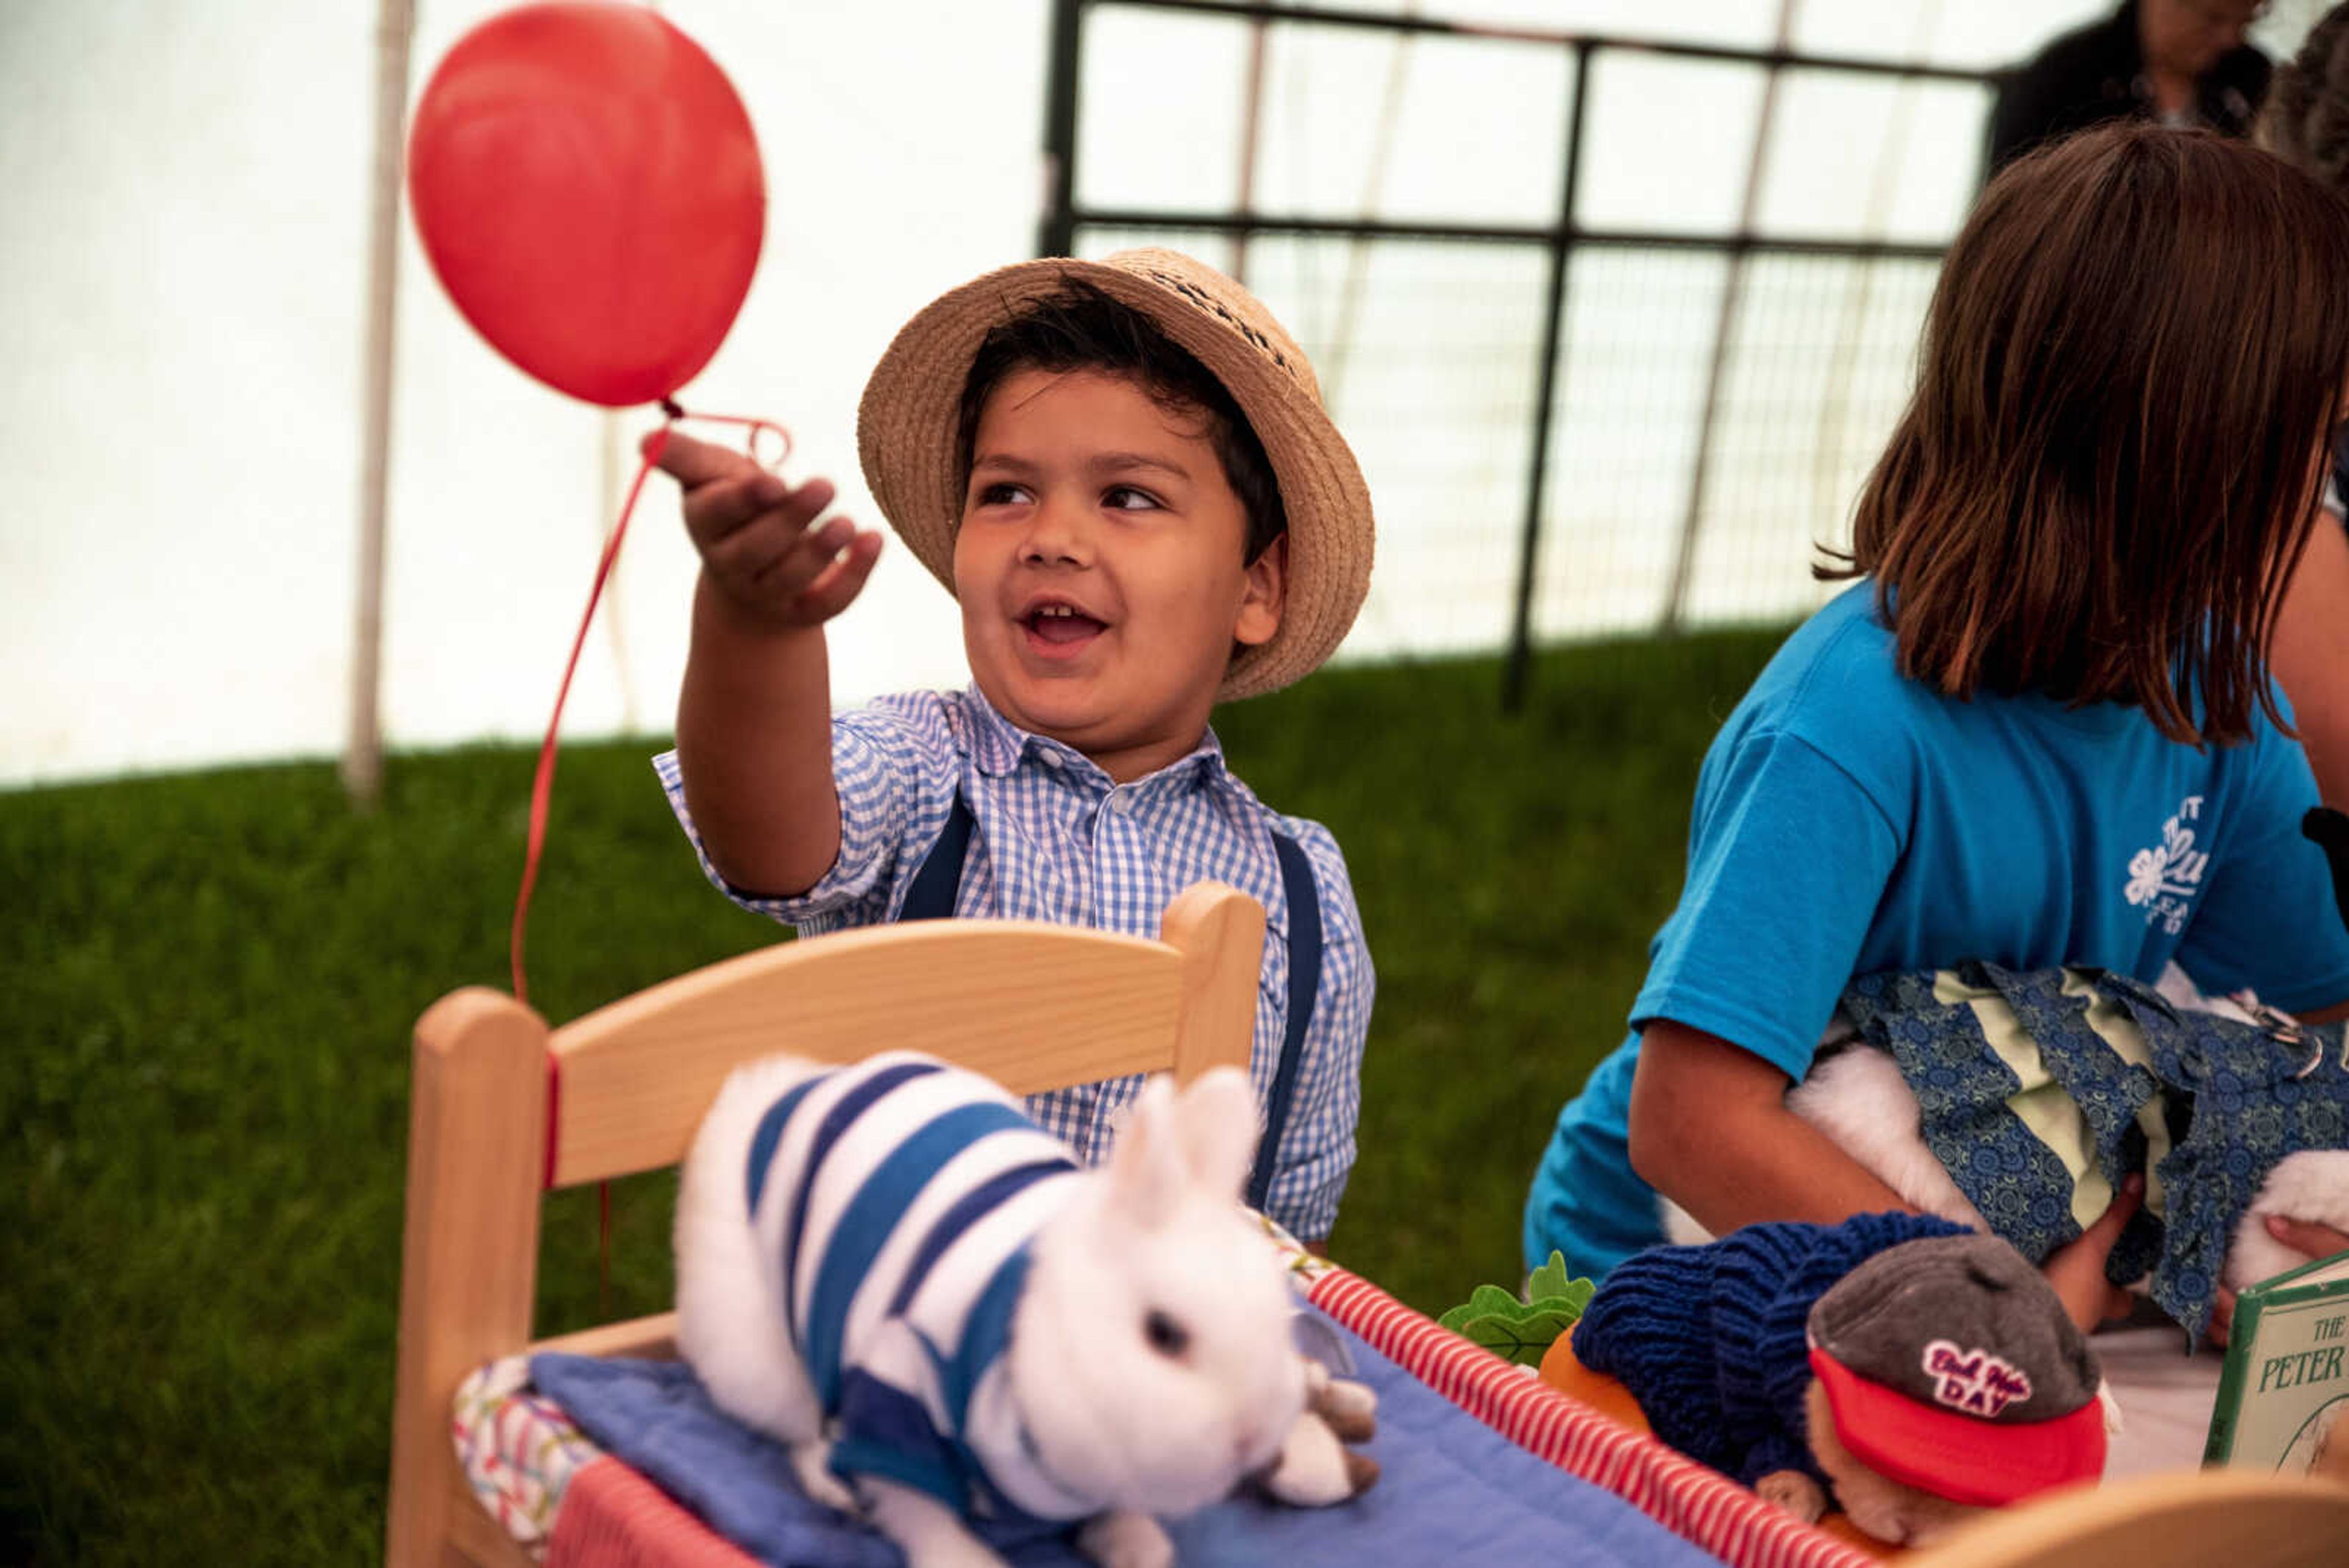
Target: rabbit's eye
<point x="1166" y="1336"/>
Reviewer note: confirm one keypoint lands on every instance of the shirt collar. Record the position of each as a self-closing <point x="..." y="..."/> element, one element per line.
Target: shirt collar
<point x="999" y="747"/>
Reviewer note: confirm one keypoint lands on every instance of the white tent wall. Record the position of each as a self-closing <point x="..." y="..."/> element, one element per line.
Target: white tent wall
<point x="182" y="279"/>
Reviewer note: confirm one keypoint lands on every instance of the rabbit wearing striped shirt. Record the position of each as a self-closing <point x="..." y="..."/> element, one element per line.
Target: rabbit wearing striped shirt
<point x="891" y="1269"/>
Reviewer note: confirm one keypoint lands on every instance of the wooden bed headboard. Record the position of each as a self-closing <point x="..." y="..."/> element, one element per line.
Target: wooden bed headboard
<point x="505" y="1109"/>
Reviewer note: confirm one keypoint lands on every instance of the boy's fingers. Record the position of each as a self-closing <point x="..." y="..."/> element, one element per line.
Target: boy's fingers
<point x="844" y="579"/>
<point x="747" y="554"/>
<point x="758" y="552"/>
<point x="695" y="462"/>
<point x="720" y="509"/>
<point x="810" y="553"/>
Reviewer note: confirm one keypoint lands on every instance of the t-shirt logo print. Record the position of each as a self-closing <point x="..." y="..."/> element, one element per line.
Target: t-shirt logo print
<point x="2162" y="879"/>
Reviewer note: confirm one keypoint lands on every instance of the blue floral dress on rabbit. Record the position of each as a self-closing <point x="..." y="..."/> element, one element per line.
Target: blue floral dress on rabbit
<point x="2042" y="1092"/>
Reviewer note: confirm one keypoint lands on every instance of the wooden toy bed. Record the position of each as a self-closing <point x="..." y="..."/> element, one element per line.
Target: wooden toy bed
<point x="505" y="1109"/>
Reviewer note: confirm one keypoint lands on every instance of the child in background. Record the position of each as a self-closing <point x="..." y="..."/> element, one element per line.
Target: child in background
<point x="2306" y="123"/>
<point x="1123" y="471"/>
<point x="2039" y="731"/>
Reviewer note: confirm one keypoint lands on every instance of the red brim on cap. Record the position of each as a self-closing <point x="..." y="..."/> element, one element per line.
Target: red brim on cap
<point x="1961" y="1458"/>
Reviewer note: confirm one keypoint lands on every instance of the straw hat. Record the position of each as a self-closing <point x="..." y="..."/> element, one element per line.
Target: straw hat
<point x="907" y="428"/>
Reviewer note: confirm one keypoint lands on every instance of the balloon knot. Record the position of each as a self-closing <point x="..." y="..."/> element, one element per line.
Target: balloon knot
<point x="668" y="406"/>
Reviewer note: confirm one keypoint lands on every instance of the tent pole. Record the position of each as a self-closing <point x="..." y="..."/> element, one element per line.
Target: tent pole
<point x="1733" y="297"/>
<point x="362" y="765"/>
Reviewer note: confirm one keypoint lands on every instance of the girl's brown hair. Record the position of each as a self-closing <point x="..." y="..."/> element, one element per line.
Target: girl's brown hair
<point x="2111" y="463"/>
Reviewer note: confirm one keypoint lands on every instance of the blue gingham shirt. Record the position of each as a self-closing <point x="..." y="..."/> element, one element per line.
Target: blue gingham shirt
<point x="1056" y="839"/>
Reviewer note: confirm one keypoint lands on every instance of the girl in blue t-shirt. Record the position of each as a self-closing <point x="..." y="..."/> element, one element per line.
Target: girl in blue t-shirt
<point x="2038" y="730"/>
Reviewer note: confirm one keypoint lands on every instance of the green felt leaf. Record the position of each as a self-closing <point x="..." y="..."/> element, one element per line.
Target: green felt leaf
<point x="1571" y="1300"/>
<point x="1549" y="1280"/>
<point x="1483" y="1300"/>
<point x="1522" y="1330"/>
<point x="1524" y="1336"/>
<point x="1492" y="1298"/>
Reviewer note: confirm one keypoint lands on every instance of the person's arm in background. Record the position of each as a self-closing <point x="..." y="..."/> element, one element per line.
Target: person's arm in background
<point x="2310" y="655"/>
<point x="754" y="715"/>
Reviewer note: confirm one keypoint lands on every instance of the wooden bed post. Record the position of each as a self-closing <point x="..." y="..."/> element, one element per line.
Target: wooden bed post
<point x="469" y="1260"/>
<point x="1220" y="934"/>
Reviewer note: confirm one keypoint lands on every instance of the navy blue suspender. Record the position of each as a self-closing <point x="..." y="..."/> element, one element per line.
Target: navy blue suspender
<point x="931" y="896"/>
<point x="1304" y="981"/>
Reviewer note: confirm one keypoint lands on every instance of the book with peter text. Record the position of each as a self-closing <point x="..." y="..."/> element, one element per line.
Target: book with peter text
<point x="2283" y="1392"/>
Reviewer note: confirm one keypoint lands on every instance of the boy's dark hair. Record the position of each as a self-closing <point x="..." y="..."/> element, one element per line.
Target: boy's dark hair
<point x="2111" y="463"/>
<point x="1083" y="328"/>
<point x="2305" y="120"/>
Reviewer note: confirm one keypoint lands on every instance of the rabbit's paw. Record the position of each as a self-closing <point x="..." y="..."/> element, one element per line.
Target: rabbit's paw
<point x="929" y="1533"/>
<point x="811" y="1463"/>
<point x="1314" y="1468"/>
<point x="1795" y="1492"/>
<point x="1126" y="1540"/>
<point x="1351" y="1408"/>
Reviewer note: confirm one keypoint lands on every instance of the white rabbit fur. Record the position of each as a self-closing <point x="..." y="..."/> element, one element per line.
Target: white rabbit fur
<point x="1859" y="1099"/>
<point x="1159" y="1229"/>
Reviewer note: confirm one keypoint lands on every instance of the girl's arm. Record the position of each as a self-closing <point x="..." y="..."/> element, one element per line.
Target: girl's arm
<point x="1711" y="1130"/>
<point x="2310" y="655"/>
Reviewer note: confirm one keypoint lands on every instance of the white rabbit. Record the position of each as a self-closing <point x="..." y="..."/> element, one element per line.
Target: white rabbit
<point x="890" y="1269"/>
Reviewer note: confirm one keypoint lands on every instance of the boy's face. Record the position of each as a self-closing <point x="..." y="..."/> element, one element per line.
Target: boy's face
<point x="1100" y="567"/>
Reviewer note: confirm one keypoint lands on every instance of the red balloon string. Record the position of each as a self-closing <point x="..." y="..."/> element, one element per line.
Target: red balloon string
<point x="757" y="427"/>
<point x="541" y="789"/>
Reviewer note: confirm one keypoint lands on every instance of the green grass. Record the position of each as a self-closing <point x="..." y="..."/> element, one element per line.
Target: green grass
<point x="208" y="982"/>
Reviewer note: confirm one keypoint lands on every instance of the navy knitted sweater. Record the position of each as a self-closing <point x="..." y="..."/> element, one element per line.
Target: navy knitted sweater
<point x="1710" y="1340"/>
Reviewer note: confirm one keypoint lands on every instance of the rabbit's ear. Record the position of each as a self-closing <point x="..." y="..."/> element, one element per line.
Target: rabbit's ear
<point x="1148" y="1174"/>
<point x="1217" y="1115"/>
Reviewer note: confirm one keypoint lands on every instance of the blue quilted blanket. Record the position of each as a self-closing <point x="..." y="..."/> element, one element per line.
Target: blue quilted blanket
<point x="1452" y="1490"/>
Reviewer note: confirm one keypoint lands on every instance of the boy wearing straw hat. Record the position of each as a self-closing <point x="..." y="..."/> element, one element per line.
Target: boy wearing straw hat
<point x="1123" y="471"/>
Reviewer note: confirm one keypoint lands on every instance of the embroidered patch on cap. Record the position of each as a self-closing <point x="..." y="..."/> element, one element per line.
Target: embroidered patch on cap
<point x="1974" y="1381"/>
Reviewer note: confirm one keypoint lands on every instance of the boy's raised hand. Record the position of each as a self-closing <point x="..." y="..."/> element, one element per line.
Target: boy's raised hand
<point x="759" y="542"/>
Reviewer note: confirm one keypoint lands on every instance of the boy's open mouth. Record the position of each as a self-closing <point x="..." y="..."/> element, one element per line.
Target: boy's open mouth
<point x="1060" y="628"/>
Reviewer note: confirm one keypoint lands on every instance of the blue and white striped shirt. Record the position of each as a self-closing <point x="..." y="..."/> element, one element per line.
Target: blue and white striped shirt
<point x="894" y="1201"/>
<point x="1056" y="839"/>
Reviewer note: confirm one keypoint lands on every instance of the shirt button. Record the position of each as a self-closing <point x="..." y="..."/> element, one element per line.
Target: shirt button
<point x="1049" y="759"/>
<point x="1120" y="802"/>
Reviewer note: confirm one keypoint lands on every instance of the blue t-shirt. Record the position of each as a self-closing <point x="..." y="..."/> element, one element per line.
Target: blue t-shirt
<point x="1848" y="820"/>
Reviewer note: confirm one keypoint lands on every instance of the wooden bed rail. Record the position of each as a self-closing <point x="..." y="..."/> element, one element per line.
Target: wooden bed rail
<point x="502" y="1108"/>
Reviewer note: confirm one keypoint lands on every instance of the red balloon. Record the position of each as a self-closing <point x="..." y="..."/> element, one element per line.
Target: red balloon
<point x="587" y="188"/>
